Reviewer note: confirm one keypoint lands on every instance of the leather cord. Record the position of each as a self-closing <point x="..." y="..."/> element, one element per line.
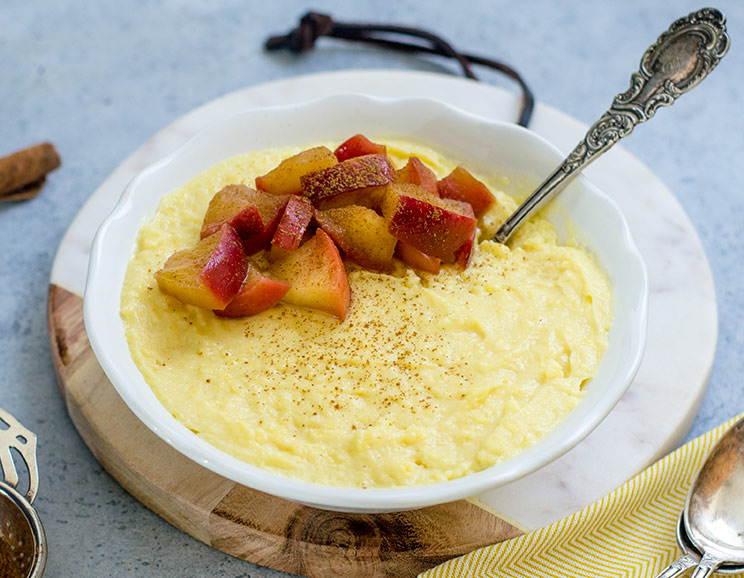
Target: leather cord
<point x="313" y="25"/>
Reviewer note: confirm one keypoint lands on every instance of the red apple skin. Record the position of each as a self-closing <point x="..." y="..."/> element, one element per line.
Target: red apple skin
<point x="208" y="275"/>
<point x="297" y="216"/>
<point x="271" y="208"/>
<point x="285" y="178"/>
<point x="257" y="293"/>
<point x="357" y="146"/>
<point x="412" y="257"/>
<point x="233" y="206"/>
<point x="350" y="175"/>
<point x="421" y="220"/>
<point x="361" y="234"/>
<point x="462" y="256"/>
<point x="417" y="173"/>
<point x="317" y="275"/>
<point x="462" y="186"/>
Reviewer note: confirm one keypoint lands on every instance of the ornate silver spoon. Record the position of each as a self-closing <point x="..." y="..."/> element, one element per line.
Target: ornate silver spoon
<point x="711" y="529"/>
<point x="675" y="63"/>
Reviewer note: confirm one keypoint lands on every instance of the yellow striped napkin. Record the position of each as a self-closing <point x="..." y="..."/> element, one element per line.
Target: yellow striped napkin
<point x="630" y="532"/>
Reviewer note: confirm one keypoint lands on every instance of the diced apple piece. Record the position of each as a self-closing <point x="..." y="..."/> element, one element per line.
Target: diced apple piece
<point x="455" y="206"/>
<point x="411" y="256"/>
<point x="285" y="178"/>
<point x="425" y="222"/>
<point x="421" y="194"/>
<point x="417" y="173"/>
<point x="208" y="275"/>
<point x="239" y="200"/>
<point x="317" y="275"/>
<point x="257" y="293"/>
<point x="361" y="234"/>
<point x="233" y="206"/>
<point x="393" y="191"/>
<point x="463" y="186"/>
<point x="357" y="146"/>
<point x="296" y="218"/>
<point x="370" y="197"/>
<point x="350" y="175"/>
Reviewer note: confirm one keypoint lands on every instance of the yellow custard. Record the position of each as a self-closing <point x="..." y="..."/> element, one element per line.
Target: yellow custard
<point x="429" y="378"/>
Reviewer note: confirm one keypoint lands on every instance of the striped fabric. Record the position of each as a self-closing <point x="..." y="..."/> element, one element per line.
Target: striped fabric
<point x="629" y="533"/>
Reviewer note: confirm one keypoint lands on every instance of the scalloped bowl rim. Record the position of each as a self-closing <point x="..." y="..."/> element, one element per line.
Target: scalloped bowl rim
<point x="445" y="128"/>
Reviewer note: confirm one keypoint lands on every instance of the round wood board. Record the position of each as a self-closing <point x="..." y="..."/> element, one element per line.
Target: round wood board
<point x="306" y="541"/>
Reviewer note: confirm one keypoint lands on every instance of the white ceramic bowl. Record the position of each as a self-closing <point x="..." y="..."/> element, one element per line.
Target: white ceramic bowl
<point x="488" y="147"/>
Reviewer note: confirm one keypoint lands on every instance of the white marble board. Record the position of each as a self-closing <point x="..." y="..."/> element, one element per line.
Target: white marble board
<point x="660" y="405"/>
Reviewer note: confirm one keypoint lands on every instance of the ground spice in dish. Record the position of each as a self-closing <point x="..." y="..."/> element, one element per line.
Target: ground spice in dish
<point x="9" y="565"/>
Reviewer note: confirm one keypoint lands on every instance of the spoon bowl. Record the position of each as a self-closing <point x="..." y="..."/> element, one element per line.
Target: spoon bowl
<point x="714" y="509"/>
<point x="711" y="527"/>
<point x="693" y="555"/>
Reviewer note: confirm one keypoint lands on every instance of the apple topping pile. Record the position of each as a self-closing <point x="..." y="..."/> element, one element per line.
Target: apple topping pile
<point x="311" y="210"/>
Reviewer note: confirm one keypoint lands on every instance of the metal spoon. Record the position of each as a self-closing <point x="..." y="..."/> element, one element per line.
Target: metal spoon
<point x="712" y="522"/>
<point x="692" y="556"/>
<point x="678" y="61"/>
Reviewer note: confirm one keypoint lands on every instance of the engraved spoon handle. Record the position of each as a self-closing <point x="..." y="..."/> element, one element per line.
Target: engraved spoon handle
<point x="675" y="63"/>
<point x="707" y="566"/>
<point x="15" y="436"/>
<point x="679" y="566"/>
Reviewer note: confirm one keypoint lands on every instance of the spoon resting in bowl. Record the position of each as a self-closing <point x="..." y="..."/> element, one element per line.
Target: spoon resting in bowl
<point x="681" y="57"/>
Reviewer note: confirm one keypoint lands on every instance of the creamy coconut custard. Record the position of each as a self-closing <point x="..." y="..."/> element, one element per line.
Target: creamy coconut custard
<point x="429" y="377"/>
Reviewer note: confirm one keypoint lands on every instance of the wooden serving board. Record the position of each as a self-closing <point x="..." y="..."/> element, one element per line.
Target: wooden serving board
<point x="286" y="536"/>
<point x="240" y="521"/>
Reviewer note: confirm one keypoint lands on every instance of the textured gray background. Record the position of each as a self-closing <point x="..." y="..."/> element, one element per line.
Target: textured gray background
<point x="98" y="78"/>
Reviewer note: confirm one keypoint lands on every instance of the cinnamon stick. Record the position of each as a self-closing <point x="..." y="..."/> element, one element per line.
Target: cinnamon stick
<point x="22" y="174"/>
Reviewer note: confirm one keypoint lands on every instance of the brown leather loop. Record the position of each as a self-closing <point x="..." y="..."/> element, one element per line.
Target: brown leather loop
<point x="313" y="25"/>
